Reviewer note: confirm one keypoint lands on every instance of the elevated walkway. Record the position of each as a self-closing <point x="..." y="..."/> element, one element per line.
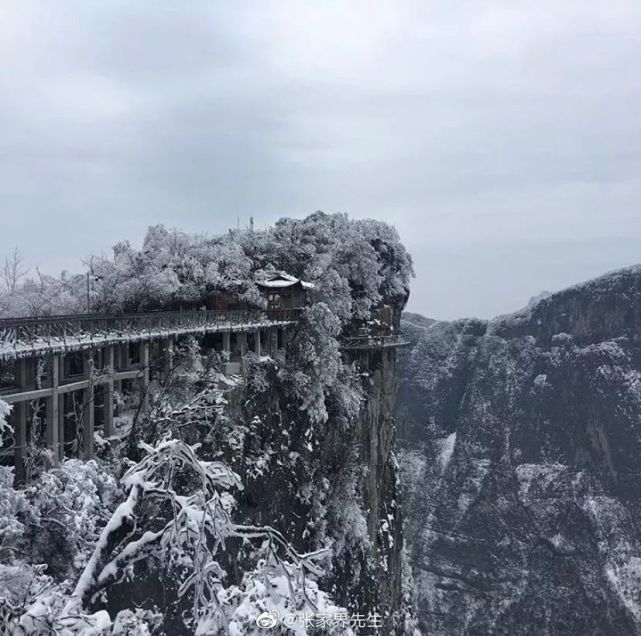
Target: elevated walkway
<point x="62" y="372"/>
<point x="29" y="337"/>
<point x="371" y="342"/>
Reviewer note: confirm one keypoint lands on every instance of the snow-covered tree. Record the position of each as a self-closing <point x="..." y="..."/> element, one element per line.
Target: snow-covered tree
<point x="354" y="264"/>
<point x="192" y="499"/>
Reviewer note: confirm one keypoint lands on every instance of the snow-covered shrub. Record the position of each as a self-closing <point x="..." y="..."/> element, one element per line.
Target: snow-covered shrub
<point x="43" y="611"/>
<point x="5" y="429"/>
<point x="44" y="532"/>
<point x="318" y="361"/>
<point x="16" y="512"/>
<point x="72" y="502"/>
<point x="260" y="595"/>
<point x="137" y="622"/>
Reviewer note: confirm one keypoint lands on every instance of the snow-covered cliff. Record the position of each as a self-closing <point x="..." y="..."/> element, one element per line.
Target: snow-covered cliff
<point x="522" y="465"/>
<point x="288" y="466"/>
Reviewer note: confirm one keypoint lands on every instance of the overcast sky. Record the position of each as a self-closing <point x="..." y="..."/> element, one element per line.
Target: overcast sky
<point x="502" y="139"/>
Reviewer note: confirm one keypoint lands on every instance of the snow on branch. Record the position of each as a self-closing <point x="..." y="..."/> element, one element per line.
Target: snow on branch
<point x="197" y="523"/>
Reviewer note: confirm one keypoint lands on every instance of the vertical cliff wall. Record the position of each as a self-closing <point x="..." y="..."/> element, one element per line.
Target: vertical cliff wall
<point x="332" y="484"/>
<point x="521" y="458"/>
<point x="380" y="487"/>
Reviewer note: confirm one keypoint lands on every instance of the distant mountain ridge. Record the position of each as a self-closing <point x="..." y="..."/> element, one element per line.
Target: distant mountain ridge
<point x="521" y="460"/>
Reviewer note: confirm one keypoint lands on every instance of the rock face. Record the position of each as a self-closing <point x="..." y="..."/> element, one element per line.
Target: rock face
<point x="331" y="485"/>
<point x="377" y="430"/>
<point x="521" y="461"/>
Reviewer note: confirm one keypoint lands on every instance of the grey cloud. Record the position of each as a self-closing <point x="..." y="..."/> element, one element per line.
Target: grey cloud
<point x="478" y="129"/>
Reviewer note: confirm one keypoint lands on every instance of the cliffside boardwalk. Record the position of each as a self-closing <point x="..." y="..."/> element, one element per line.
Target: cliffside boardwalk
<point x="308" y="424"/>
<point x="67" y="367"/>
<point x="61" y="368"/>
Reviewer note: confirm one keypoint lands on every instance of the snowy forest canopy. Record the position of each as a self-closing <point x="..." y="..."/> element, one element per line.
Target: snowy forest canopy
<point x="355" y="264"/>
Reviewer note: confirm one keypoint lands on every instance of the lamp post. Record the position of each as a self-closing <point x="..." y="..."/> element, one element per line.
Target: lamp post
<point x="90" y="277"/>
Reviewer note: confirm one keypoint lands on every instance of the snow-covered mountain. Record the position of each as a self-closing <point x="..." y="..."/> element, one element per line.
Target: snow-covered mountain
<point x="521" y="463"/>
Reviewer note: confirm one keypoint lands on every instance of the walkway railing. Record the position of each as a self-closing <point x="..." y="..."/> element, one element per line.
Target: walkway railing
<point x="375" y="341"/>
<point x="56" y="331"/>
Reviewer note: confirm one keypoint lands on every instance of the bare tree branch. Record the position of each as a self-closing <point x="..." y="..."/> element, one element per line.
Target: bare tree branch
<point x="13" y="271"/>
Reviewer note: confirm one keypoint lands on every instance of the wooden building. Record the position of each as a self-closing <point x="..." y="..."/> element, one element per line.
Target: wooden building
<point x="283" y="291"/>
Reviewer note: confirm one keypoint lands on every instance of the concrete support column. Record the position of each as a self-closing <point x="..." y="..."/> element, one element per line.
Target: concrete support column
<point x="124" y="356"/>
<point x="88" y="415"/>
<point x="20" y="425"/>
<point x="118" y="389"/>
<point x="61" y="408"/>
<point x="241" y="339"/>
<point x="144" y="369"/>
<point x="257" y="349"/>
<point x="273" y="341"/>
<point x="169" y="356"/>
<point x="116" y="356"/>
<point x="53" y="406"/>
<point x="227" y="341"/>
<point x="20" y="437"/>
<point x="108" y="392"/>
<point x="97" y="358"/>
